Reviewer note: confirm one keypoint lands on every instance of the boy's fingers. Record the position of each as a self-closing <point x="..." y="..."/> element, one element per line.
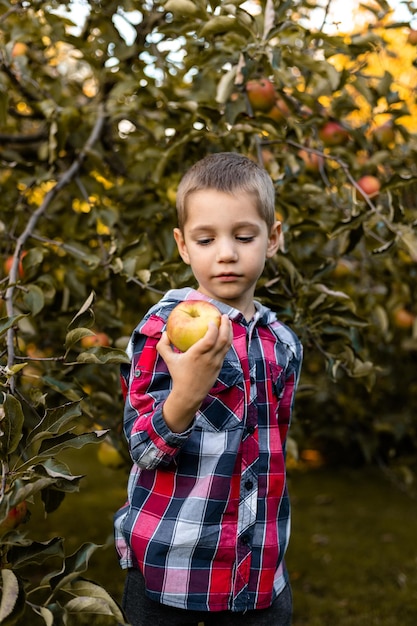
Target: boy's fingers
<point x="221" y="334"/>
<point x="208" y="341"/>
<point x="215" y="337"/>
<point x="163" y="345"/>
<point x="225" y="330"/>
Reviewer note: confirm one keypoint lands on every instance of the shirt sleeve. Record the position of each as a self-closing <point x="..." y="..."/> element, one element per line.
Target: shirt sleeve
<point x="292" y="377"/>
<point x="148" y="384"/>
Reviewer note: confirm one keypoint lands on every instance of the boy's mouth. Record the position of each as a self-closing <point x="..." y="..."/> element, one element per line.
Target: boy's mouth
<point x="227" y="276"/>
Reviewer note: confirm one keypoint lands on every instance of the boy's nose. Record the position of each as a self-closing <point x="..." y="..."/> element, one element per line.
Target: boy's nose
<point x="226" y="251"/>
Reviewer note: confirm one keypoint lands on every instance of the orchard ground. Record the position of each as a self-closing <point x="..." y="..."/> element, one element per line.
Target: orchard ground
<point x="352" y="556"/>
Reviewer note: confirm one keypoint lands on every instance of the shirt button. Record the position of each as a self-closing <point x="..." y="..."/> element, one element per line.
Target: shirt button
<point x="245" y="539"/>
<point x="248" y="485"/>
<point x="251" y="429"/>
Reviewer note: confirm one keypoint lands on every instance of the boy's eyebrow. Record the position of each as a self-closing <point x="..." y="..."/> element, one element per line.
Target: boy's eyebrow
<point x="210" y="227"/>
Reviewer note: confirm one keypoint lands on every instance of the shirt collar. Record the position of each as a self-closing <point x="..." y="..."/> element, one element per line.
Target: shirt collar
<point x="263" y="315"/>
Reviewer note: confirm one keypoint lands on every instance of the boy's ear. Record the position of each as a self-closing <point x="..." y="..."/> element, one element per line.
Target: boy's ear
<point x="275" y="240"/>
<point x="182" y="248"/>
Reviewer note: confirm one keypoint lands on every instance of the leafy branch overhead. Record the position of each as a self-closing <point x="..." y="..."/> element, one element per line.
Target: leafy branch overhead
<point x="103" y="106"/>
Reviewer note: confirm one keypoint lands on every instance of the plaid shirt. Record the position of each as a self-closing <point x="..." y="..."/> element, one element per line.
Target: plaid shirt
<point x="207" y="519"/>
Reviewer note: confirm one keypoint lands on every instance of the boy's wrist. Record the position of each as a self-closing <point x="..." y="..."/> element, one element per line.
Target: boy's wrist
<point x="178" y="413"/>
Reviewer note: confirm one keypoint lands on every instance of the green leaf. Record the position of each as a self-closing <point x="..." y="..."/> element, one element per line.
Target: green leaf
<point x="34" y="299"/>
<point x="57" y="443"/>
<point x="73" y="566"/>
<point x="15" y="369"/>
<point x="66" y="389"/>
<point x="13" y="597"/>
<point x="217" y="25"/>
<point x="54" y="420"/>
<point x="24" y="489"/>
<point x="57" y="470"/>
<point x="52" y="499"/>
<point x="103" y="355"/>
<point x="11" y="425"/>
<point x="75" y="335"/>
<point x="83" y="254"/>
<point x="351" y="224"/>
<point x="9" y="322"/>
<point x="330" y="292"/>
<point x="408" y="238"/>
<point x="84" y="311"/>
<point x="226" y="85"/>
<point x="47" y="615"/>
<point x="183" y="7"/>
<point x="361" y="368"/>
<point x="91" y="598"/>
<point x="36" y="552"/>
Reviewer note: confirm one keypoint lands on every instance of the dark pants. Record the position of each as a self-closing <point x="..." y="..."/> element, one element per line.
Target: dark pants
<point x="141" y="611"/>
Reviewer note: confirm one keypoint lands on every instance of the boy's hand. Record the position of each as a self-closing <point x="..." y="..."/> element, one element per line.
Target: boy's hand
<point x="193" y="372"/>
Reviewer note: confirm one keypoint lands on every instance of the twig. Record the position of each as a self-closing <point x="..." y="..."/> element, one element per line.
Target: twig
<point x="4" y="473"/>
<point x="23" y="139"/>
<point x="10" y="11"/>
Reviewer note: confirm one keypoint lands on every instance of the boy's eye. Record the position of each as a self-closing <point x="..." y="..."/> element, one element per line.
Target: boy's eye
<point x="204" y="242"/>
<point x="245" y="238"/>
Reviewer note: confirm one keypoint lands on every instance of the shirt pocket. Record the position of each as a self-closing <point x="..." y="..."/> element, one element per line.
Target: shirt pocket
<point x="223" y="407"/>
<point x="277" y="375"/>
<point x="150" y="381"/>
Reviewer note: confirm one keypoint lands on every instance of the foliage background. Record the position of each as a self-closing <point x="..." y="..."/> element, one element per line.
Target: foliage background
<point x="98" y="122"/>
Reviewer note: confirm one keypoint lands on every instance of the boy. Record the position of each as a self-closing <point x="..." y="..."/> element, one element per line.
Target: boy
<point x="206" y="525"/>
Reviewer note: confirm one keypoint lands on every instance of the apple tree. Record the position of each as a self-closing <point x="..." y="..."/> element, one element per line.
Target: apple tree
<point x="103" y="107"/>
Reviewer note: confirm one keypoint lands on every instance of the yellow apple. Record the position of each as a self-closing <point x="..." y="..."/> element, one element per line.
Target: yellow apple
<point x="384" y="135"/>
<point x="19" y="48"/>
<point x="109" y="456"/>
<point x="279" y="111"/>
<point x="189" y="321"/>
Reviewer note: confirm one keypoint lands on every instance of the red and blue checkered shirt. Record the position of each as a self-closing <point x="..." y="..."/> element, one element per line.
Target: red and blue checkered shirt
<point x="207" y="519"/>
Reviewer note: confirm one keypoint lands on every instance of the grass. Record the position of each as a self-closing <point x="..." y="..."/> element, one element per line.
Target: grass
<point x="353" y="550"/>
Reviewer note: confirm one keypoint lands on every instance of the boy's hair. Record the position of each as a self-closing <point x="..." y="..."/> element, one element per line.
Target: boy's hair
<point x="228" y="172"/>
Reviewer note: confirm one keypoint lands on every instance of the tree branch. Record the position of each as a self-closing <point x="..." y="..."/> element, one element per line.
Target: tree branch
<point x="23" y="139"/>
<point x="64" y="180"/>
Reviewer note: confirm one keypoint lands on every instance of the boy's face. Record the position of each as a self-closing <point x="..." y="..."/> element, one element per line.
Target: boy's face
<point x="226" y="243"/>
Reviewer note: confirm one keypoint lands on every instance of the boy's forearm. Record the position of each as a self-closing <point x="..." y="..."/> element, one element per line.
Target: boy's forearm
<point x="179" y="411"/>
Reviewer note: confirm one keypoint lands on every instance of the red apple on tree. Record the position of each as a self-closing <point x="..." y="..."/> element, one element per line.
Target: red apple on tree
<point x="412" y="36"/>
<point x="279" y="111"/>
<point x="189" y="321"/>
<point x="98" y="339"/>
<point x="332" y="133"/>
<point x="261" y="94"/>
<point x="403" y="318"/>
<point x="370" y="185"/>
<point x="312" y="161"/>
<point x="16" y="516"/>
<point x="9" y="262"/>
